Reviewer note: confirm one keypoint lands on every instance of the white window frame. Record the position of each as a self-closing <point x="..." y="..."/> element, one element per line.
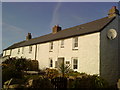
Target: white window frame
<point x="51" y="46"/>
<point x="30" y="49"/>
<point x="74" y="42"/>
<point x="50" y="63"/>
<point x="18" y="51"/>
<point x="62" y="44"/>
<point x="73" y="67"/>
<point x="66" y="63"/>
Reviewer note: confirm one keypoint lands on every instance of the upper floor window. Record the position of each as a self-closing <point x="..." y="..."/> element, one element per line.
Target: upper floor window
<point x="62" y="43"/>
<point x="51" y="62"/>
<point x="18" y="50"/>
<point x="30" y="49"/>
<point x="75" y="63"/>
<point x="75" y="43"/>
<point x="51" y="46"/>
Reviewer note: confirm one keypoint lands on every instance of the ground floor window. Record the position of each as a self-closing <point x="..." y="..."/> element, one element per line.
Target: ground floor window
<point x="75" y="63"/>
<point x="68" y="63"/>
<point x="51" y="62"/>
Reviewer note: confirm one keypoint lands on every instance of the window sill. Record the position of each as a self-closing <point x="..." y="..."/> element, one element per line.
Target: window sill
<point x="51" y="51"/>
<point x="75" y="49"/>
<point x="62" y="46"/>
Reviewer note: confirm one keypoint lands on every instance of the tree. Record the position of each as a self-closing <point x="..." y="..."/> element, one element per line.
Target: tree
<point x="63" y="69"/>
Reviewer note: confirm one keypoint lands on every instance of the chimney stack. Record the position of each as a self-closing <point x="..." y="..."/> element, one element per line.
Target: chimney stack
<point x="113" y="12"/>
<point x="56" y="29"/>
<point x="29" y="36"/>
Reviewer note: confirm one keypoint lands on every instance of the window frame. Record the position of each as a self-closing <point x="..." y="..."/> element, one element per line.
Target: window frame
<point x="75" y="65"/>
<point x="30" y="49"/>
<point x="51" y="46"/>
<point x="50" y="63"/>
<point x="18" y="52"/>
<point x="62" y="43"/>
<point x="75" y="43"/>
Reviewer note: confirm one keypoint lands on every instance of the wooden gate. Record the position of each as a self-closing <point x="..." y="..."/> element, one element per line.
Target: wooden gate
<point x="59" y="82"/>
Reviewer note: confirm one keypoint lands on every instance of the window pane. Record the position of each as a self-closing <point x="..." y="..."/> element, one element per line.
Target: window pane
<point x="75" y="42"/>
<point x="76" y="39"/>
<point x="75" y="67"/>
<point x="51" y="62"/>
<point x="51" y="45"/>
<point x="30" y="49"/>
<point x="62" y="43"/>
<point x="18" y="50"/>
<point x="75" y="63"/>
<point x="67" y="62"/>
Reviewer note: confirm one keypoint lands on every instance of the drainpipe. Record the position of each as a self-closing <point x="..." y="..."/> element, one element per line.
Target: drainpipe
<point x="36" y="52"/>
<point x="10" y="51"/>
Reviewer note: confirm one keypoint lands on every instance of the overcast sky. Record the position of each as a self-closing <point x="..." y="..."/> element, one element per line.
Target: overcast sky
<point x="38" y="18"/>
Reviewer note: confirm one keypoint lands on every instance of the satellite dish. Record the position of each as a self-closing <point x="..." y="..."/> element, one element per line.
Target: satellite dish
<point x="112" y="34"/>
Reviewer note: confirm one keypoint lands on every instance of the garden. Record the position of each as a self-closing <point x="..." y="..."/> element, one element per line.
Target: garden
<point x="14" y="75"/>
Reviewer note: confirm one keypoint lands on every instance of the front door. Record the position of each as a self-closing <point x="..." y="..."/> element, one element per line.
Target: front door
<point x="60" y="61"/>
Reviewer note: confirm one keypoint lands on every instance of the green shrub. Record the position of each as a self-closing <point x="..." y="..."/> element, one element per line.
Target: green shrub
<point x="89" y="81"/>
<point x="12" y="68"/>
<point x="10" y="72"/>
<point x="51" y="73"/>
<point x="21" y="64"/>
<point x="41" y="82"/>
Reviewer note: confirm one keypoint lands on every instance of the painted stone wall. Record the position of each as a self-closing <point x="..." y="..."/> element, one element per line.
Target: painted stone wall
<point x="109" y="54"/>
<point x="87" y="53"/>
<point x="24" y="53"/>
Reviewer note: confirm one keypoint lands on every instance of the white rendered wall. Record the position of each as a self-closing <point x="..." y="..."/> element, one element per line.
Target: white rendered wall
<point x="87" y="53"/>
<point x="7" y="52"/>
<point x="4" y="53"/>
<point x="25" y="53"/>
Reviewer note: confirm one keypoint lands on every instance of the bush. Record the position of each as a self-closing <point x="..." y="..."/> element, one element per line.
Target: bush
<point x="51" y="73"/>
<point x="12" y="68"/>
<point x="89" y="81"/>
<point x="21" y="64"/>
<point x="10" y="72"/>
<point x="41" y="82"/>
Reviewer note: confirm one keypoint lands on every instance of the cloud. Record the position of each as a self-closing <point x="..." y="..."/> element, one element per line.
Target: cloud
<point x="11" y="27"/>
<point x="11" y="34"/>
<point x="55" y="17"/>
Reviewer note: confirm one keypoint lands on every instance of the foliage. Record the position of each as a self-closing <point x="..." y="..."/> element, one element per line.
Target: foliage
<point x="19" y="64"/>
<point x="12" y="68"/>
<point x="41" y="82"/>
<point x="10" y="72"/>
<point x="64" y="69"/>
<point x="51" y="73"/>
<point x="90" y="81"/>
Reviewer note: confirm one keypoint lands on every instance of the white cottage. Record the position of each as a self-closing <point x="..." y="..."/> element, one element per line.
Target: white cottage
<point x="92" y="47"/>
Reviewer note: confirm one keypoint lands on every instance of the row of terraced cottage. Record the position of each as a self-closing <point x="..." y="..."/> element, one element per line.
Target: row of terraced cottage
<point x="92" y="47"/>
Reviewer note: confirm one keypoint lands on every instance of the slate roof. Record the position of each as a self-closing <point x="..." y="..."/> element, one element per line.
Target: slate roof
<point x="91" y="27"/>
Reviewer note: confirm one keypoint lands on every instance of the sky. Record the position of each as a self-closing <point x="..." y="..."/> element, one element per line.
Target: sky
<point x="38" y="18"/>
